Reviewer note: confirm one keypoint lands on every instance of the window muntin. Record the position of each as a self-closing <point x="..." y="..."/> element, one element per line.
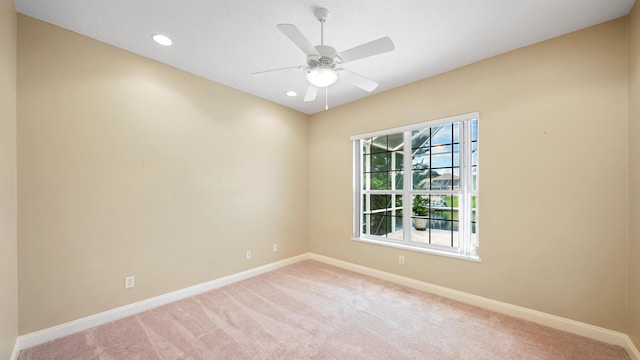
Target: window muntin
<point x="438" y="192"/>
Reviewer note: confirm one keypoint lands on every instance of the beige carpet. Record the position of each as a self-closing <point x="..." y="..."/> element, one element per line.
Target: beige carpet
<point x="311" y="310"/>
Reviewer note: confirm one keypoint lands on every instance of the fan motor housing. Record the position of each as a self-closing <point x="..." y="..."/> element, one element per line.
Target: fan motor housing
<point x="326" y="59"/>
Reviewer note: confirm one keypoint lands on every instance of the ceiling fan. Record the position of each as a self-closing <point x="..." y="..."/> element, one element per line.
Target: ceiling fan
<point x="321" y="70"/>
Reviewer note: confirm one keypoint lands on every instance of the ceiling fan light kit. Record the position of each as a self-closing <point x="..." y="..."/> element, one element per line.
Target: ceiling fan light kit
<point x="321" y="71"/>
<point x="322" y="77"/>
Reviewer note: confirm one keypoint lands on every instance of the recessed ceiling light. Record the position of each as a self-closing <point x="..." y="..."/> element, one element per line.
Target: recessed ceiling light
<point x="162" y="39"/>
<point x="291" y="93"/>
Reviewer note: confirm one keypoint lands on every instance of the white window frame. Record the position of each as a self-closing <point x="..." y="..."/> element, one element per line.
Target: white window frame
<point x="467" y="249"/>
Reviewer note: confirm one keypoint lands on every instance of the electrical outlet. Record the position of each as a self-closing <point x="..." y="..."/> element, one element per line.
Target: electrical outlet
<point x="275" y="247"/>
<point x="248" y="254"/>
<point x="401" y="259"/>
<point x="129" y="282"/>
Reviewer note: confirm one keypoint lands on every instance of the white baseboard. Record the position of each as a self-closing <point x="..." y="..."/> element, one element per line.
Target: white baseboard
<point x="631" y="348"/>
<point x="72" y="327"/>
<point x="571" y="326"/>
<point x="16" y="350"/>
<point x="538" y="317"/>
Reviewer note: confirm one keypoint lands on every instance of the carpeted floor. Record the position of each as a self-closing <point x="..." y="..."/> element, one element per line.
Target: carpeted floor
<point x="310" y="310"/>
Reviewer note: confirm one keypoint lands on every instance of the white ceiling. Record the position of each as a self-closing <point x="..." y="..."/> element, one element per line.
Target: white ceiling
<point x="226" y="40"/>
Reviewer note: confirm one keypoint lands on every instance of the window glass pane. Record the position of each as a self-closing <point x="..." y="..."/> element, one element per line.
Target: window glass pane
<point x="455" y="236"/>
<point x="399" y="203"/>
<point x="395" y="142"/>
<point x="453" y="201"/>
<point x="366" y="145"/>
<point x="397" y="159"/>
<point x="474" y="153"/>
<point x="435" y="220"/>
<point x="474" y="178"/>
<point x="442" y="135"/>
<point x="473" y="237"/>
<point x="440" y="209"/>
<point x="365" y="223"/>
<point x="474" y="166"/>
<point x="383" y="180"/>
<point x="443" y="224"/>
<point x="420" y="205"/>
<point x="383" y="217"/>
<point x="420" y="231"/>
<point x="441" y="149"/>
<point x="420" y="218"/>
<point x="396" y="220"/>
<point x="456" y="133"/>
<point x="399" y="180"/>
<point x="398" y="234"/>
<point x="443" y="180"/>
<point x="456" y="155"/>
<point x="378" y="144"/>
<point x="380" y="161"/>
<point x="422" y="178"/>
<point x="380" y="181"/>
<point x="441" y="160"/>
<point x="443" y="233"/>
<point x="366" y="162"/>
<point x="379" y="223"/>
<point x="455" y="179"/>
<point x="379" y="171"/>
<point x="474" y="208"/>
<point x="474" y="130"/>
<point x="420" y="138"/>
<point x="420" y="159"/>
<point x="421" y="173"/>
<point x="474" y="222"/>
<point x="380" y="202"/>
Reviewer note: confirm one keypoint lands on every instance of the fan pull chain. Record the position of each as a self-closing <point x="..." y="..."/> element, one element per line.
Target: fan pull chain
<point x="326" y="98"/>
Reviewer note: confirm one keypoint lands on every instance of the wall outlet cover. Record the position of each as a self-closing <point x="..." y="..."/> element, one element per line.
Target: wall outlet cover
<point x="129" y="282"/>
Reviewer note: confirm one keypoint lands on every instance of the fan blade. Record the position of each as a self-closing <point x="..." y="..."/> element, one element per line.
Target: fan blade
<point x="358" y="80"/>
<point x="295" y="68"/>
<point x="292" y="32"/>
<point x="372" y="48"/>
<point x="312" y="93"/>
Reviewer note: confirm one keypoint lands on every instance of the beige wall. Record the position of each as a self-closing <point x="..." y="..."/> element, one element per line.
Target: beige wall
<point x="553" y="183"/>
<point x="8" y="174"/>
<point x="131" y="167"/>
<point x="634" y="174"/>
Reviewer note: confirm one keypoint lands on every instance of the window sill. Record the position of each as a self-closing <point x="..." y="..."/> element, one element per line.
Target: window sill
<point x="420" y="249"/>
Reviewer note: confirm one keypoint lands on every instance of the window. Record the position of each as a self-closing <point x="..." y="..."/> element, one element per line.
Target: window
<point x="416" y="187"/>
